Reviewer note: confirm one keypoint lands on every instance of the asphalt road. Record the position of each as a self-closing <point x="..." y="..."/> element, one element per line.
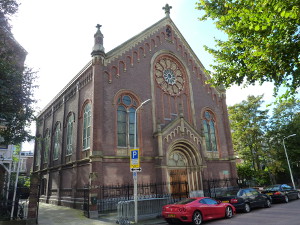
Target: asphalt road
<point x="279" y="213"/>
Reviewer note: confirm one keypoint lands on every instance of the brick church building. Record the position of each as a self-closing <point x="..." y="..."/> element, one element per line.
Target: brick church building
<point x="85" y="134"/>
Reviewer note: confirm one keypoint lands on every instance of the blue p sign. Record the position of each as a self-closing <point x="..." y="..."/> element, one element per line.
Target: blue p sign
<point x="135" y="154"/>
<point x="134" y="158"/>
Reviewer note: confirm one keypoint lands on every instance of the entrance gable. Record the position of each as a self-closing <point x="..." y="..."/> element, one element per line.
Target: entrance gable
<point x="180" y="128"/>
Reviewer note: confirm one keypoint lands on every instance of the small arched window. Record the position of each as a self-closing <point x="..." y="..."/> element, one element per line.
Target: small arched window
<point x="70" y="125"/>
<point x="87" y="114"/>
<point x="210" y="132"/>
<point x="56" y="143"/>
<point x="126" y="121"/>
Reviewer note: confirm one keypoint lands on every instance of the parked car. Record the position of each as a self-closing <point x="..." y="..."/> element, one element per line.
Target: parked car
<point x="245" y="199"/>
<point x="196" y="210"/>
<point x="281" y="193"/>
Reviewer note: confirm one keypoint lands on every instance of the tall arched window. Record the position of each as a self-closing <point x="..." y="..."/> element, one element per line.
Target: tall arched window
<point x="86" y="126"/>
<point x="56" y="144"/>
<point x="70" y="124"/>
<point x="38" y="150"/>
<point x="47" y="146"/>
<point x="126" y="120"/>
<point x="210" y="132"/>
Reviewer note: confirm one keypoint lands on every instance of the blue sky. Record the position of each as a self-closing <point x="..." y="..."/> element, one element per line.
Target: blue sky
<point x="58" y="36"/>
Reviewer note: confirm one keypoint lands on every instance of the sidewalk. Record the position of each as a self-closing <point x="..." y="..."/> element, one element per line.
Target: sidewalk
<point x="53" y="214"/>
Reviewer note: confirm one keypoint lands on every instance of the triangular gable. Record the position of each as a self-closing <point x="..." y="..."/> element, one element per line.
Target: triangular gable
<point x="179" y="128"/>
<point x="116" y="59"/>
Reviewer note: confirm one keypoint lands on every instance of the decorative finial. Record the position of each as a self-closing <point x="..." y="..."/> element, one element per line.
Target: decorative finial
<point x="167" y="9"/>
<point x="98" y="26"/>
<point x="98" y="48"/>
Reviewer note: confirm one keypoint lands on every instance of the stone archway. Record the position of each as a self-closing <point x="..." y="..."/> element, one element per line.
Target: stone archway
<point x="184" y="169"/>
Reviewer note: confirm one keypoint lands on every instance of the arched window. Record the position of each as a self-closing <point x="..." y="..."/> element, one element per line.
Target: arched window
<point x="38" y="150"/>
<point x="47" y="146"/>
<point x="70" y="124"/>
<point x="56" y="149"/>
<point x="210" y="132"/>
<point x="126" y="120"/>
<point x="86" y="126"/>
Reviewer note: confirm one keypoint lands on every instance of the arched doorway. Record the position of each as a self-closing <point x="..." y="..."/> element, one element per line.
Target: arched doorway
<point x="184" y="169"/>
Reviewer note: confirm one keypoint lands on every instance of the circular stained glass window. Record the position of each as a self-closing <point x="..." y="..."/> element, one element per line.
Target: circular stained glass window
<point x="169" y="76"/>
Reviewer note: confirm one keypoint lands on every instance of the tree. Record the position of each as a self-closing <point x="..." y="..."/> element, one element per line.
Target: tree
<point x="16" y="83"/>
<point x="263" y="42"/>
<point x="284" y="122"/>
<point x="248" y="125"/>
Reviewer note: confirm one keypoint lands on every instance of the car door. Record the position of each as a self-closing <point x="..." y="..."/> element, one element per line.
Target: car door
<point x="291" y="193"/>
<point x="216" y="209"/>
<point x="208" y="208"/>
<point x="259" y="198"/>
<point x="249" y="197"/>
<point x="205" y="209"/>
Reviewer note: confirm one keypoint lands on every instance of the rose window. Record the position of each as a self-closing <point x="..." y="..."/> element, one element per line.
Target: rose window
<point x="169" y="76"/>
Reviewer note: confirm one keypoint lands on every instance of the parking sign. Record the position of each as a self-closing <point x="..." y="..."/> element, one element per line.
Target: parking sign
<point x="134" y="158"/>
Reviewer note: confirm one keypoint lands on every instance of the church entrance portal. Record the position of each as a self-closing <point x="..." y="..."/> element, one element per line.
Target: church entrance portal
<point x="184" y="170"/>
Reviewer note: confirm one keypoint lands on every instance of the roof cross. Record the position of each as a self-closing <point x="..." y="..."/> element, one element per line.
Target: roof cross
<point x="167" y="9"/>
<point x="98" y="26"/>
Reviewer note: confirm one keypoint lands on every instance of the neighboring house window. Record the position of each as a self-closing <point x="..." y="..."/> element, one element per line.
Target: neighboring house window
<point x="86" y="126"/>
<point x="47" y="146"/>
<point x="70" y="124"/>
<point x="126" y="120"/>
<point x="2" y="145"/>
<point x="56" y="149"/>
<point x="210" y="132"/>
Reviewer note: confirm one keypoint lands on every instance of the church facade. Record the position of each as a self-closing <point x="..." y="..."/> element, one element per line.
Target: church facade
<point x="149" y="93"/>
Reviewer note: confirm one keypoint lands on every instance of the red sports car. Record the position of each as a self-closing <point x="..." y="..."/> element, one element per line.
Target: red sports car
<point x="196" y="210"/>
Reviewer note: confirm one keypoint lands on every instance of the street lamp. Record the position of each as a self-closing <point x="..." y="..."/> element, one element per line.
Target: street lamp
<point x="135" y="173"/>
<point x="287" y="158"/>
<point x="135" y="133"/>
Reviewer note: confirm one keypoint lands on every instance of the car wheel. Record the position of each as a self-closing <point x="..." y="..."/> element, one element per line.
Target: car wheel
<point x="286" y="199"/>
<point x="247" y="208"/>
<point x="228" y="212"/>
<point x="169" y="221"/>
<point x="298" y="195"/>
<point x="268" y="203"/>
<point x="197" y="218"/>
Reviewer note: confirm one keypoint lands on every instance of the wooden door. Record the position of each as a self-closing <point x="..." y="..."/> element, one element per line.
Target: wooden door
<point x="179" y="183"/>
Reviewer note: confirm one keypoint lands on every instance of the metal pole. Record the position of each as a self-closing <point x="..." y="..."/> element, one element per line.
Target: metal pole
<point x="135" y="174"/>
<point x="16" y="185"/>
<point x="287" y="158"/>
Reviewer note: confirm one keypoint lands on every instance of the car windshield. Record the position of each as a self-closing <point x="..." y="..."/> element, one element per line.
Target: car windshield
<point x="229" y="192"/>
<point x="185" y="201"/>
<point x="272" y="188"/>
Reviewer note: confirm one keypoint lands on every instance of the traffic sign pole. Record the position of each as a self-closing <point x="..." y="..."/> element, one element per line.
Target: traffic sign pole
<point x="135" y="196"/>
<point x="135" y="179"/>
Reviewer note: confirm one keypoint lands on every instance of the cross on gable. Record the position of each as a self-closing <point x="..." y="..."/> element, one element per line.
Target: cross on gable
<point x="98" y="26"/>
<point x="167" y="9"/>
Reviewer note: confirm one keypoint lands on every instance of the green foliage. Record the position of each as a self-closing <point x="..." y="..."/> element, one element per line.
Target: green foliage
<point x="16" y="82"/>
<point x="9" y="7"/>
<point x="263" y="42"/>
<point x="245" y="171"/>
<point x="258" y="139"/>
<point x="15" y="155"/>
<point x="248" y="123"/>
<point x="284" y="122"/>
